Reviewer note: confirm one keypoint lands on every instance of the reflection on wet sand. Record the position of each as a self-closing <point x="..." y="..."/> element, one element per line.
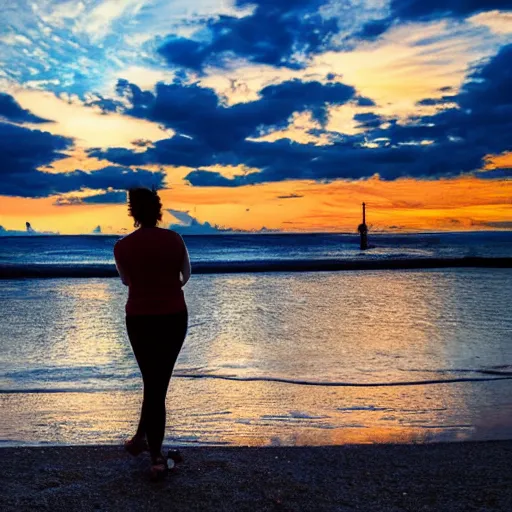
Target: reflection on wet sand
<point x="259" y="414"/>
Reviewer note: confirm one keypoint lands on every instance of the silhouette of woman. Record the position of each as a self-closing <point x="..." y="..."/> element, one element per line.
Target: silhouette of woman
<point x="155" y="265"/>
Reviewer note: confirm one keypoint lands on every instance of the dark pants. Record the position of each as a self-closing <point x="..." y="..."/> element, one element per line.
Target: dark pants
<point x="156" y="342"/>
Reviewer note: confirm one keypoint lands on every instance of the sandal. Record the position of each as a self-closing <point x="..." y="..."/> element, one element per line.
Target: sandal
<point x="136" y="445"/>
<point x="158" y="469"/>
<point x="175" y="455"/>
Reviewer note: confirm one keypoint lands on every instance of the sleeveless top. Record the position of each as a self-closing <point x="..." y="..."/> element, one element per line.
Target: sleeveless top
<point x="149" y="261"/>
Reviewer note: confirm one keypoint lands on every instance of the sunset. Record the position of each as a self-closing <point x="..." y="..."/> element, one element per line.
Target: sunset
<point x="256" y="255"/>
<point x="404" y="107"/>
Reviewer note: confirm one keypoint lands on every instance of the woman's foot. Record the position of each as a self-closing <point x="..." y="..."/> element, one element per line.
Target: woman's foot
<point x="136" y="445"/>
<point x="158" y="468"/>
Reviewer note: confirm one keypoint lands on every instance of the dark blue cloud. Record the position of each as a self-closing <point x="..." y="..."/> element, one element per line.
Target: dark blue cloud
<point x="41" y="184"/>
<point x="496" y="174"/>
<point x="368" y="120"/>
<point x="178" y="150"/>
<point x="361" y="101"/>
<point x="280" y="33"/>
<point x="106" y="105"/>
<point x="196" y="111"/>
<point x="24" y="151"/>
<point x="214" y="179"/>
<point x="424" y="10"/>
<point x="490" y="86"/>
<point x="427" y="10"/>
<point x="284" y="160"/>
<point x="451" y="142"/>
<point x="10" y="110"/>
<point x="430" y="102"/>
<point x="373" y="29"/>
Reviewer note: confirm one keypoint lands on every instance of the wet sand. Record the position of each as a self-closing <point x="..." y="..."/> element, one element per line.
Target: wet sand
<point x="471" y="476"/>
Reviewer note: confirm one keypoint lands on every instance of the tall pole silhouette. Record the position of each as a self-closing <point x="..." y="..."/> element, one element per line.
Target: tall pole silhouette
<point x="363" y="231"/>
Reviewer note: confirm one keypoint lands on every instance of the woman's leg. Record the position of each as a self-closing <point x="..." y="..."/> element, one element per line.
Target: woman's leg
<point x="136" y="327"/>
<point x="157" y="350"/>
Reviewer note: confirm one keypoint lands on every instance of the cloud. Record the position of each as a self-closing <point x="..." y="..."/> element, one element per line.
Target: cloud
<point x="496" y="225"/>
<point x="292" y="41"/>
<point x="432" y="102"/>
<point x="34" y="149"/>
<point x="409" y="63"/>
<point x="91" y="127"/>
<point x="15" y="39"/>
<point x="196" y="111"/>
<point x="496" y="174"/>
<point x="421" y="10"/>
<point x="42" y="184"/>
<point x="290" y="196"/>
<point x="448" y="143"/>
<point x="281" y="33"/>
<point x="374" y="29"/>
<point x="10" y="110"/>
<point x="98" y="22"/>
<point x="187" y="224"/>
<point x="413" y="10"/>
<point x="29" y="231"/>
<point x="368" y="120"/>
<point x="111" y="197"/>
<point x="496" y="21"/>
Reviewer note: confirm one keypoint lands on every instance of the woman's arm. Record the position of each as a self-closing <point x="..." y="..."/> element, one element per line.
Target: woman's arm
<point x="120" y="270"/>
<point x="121" y="274"/>
<point x="185" y="267"/>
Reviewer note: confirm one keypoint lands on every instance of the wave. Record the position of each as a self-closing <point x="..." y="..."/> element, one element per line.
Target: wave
<point x="264" y="379"/>
<point x="342" y="384"/>
<point x="504" y="370"/>
<point x="225" y="267"/>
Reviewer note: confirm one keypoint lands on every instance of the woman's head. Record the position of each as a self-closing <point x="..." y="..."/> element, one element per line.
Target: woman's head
<point x="145" y="207"/>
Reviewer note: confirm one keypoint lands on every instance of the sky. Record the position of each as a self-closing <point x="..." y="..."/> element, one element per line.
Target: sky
<point x="257" y="115"/>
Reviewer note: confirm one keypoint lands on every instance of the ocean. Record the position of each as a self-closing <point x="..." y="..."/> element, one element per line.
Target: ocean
<point x="272" y="358"/>
<point x="97" y="249"/>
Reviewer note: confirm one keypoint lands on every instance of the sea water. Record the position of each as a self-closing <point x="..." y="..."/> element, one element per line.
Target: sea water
<point x="97" y="249"/>
<point x="271" y="358"/>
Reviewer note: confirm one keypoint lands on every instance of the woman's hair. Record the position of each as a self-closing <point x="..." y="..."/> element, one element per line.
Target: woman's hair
<point x="144" y="206"/>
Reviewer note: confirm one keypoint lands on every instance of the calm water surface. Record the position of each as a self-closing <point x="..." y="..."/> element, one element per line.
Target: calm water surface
<point x="313" y="358"/>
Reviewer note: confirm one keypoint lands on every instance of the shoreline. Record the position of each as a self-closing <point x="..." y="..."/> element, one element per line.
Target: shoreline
<point x="269" y="233"/>
<point x="8" y="271"/>
<point x="434" y="477"/>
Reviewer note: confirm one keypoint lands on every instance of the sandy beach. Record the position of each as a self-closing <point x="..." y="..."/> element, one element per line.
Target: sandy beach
<point x="438" y="477"/>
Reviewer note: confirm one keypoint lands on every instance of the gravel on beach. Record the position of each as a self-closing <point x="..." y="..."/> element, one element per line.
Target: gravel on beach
<point x="472" y="476"/>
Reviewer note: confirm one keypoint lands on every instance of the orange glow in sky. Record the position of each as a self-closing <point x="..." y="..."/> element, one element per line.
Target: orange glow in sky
<point x="387" y="104"/>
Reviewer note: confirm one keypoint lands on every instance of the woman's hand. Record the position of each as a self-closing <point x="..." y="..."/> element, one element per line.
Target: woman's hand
<point x="186" y="269"/>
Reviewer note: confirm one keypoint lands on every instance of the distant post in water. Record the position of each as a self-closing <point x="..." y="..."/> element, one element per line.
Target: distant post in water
<point x="363" y="231"/>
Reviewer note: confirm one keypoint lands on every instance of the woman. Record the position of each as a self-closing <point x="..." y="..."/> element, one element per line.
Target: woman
<point x="155" y="265"/>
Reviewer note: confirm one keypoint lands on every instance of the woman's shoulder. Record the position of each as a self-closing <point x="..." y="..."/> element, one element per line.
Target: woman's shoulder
<point x="122" y="242"/>
<point x="169" y="234"/>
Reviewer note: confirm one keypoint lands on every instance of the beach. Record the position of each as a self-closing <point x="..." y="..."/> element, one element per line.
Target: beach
<point x="376" y="390"/>
<point x="452" y="477"/>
